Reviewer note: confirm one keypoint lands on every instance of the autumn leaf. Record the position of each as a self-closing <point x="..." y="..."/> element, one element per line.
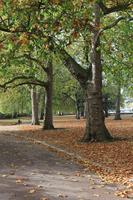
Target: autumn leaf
<point x="18" y="181"/>
<point x="32" y="191"/>
<point x="4" y="175"/>
<point x="44" y="198"/>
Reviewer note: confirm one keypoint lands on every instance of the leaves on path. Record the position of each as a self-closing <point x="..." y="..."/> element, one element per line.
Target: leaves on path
<point x="19" y="181"/>
<point x="113" y="161"/>
<point x="4" y="175"/>
<point x="32" y="191"/>
<point x="62" y="196"/>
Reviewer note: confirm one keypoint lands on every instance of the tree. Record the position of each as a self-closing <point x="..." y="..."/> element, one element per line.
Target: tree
<point x="48" y="121"/>
<point x="92" y="82"/>
<point x="34" y="101"/>
<point x="57" y="30"/>
<point x="33" y="80"/>
<point x="21" y="44"/>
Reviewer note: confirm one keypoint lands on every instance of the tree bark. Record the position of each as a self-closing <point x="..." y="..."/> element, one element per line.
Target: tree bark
<point x="91" y="81"/>
<point x="34" y="103"/>
<point x="118" y="101"/>
<point x="95" y="125"/>
<point x="48" y="116"/>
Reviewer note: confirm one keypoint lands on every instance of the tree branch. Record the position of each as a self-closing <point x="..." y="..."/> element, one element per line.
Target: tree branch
<point x="130" y="19"/>
<point x="28" y="80"/>
<point x="17" y="78"/>
<point x="108" y="27"/>
<point x="113" y="24"/>
<point x="69" y="96"/>
<point x="29" y="83"/>
<point x="17" y="30"/>
<point x="4" y="29"/>
<point x="29" y="57"/>
<point x="116" y="8"/>
<point x="81" y="74"/>
<point x="40" y="63"/>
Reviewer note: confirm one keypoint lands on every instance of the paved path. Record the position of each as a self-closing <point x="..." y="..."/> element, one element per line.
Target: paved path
<point x="29" y="172"/>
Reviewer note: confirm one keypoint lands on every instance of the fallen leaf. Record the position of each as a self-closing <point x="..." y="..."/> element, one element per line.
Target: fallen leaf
<point x="4" y="175"/>
<point x="96" y="195"/>
<point x="32" y="191"/>
<point x="44" y="198"/>
<point x="19" y="181"/>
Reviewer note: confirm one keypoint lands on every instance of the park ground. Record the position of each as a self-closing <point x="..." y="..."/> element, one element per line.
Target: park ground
<point x="111" y="161"/>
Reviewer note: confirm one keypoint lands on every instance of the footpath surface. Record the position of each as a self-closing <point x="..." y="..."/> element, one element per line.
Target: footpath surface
<point x="29" y="171"/>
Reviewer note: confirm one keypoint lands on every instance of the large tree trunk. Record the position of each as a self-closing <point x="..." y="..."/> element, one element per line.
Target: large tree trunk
<point x="34" y="102"/>
<point x="48" y="116"/>
<point x="95" y="125"/>
<point x="118" y="101"/>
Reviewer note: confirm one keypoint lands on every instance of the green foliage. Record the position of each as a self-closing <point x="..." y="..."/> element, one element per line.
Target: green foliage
<point x="117" y="50"/>
<point x="39" y="28"/>
<point x="65" y="88"/>
<point x="15" y="101"/>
